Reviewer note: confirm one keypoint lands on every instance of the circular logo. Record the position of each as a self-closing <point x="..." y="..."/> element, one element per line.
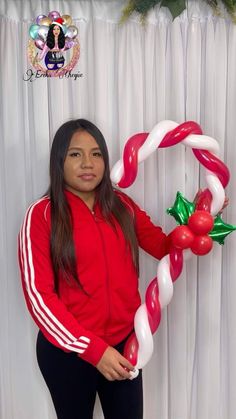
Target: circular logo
<point x="53" y="48"/>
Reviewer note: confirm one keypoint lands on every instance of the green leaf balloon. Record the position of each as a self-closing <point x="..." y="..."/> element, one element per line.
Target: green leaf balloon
<point x="221" y="230"/>
<point x="182" y="209"/>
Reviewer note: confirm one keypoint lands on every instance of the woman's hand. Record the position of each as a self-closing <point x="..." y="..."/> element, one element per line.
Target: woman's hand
<point x="114" y="366"/>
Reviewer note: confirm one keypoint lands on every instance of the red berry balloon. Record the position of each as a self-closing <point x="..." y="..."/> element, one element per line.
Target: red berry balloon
<point x="182" y="237"/>
<point x="201" y="222"/>
<point x="201" y="245"/>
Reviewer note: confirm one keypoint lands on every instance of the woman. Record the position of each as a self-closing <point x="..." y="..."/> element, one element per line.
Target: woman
<point x="78" y="254"/>
<point x="55" y="44"/>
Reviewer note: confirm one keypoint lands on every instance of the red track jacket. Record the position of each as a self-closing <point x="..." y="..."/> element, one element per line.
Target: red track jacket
<point x="71" y="319"/>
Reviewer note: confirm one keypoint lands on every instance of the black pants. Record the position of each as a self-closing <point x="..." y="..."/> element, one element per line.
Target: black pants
<point x="73" y="384"/>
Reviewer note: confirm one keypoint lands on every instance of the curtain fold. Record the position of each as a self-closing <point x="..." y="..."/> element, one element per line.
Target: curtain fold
<point x="132" y="78"/>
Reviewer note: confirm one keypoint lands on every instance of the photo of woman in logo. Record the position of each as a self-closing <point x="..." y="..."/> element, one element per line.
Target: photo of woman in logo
<point x="55" y="44"/>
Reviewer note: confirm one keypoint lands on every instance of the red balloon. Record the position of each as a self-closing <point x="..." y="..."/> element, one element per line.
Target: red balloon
<point x="176" y="262"/>
<point x="201" y="222"/>
<point x="201" y="245"/>
<point x="182" y="237"/>
<point x="204" y="201"/>
<point x="130" y="159"/>
<point x="153" y="305"/>
<point x="131" y="349"/>
<point x="180" y="133"/>
<point x="215" y="165"/>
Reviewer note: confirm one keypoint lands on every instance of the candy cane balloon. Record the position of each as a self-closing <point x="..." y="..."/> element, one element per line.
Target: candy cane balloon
<point x="139" y="346"/>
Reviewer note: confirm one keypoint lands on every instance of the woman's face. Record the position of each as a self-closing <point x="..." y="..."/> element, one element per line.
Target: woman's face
<point x="84" y="165"/>
<point x="56" y="30"/>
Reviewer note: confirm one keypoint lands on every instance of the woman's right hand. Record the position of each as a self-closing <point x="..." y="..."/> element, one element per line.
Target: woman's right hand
<point x="114" y="366"/>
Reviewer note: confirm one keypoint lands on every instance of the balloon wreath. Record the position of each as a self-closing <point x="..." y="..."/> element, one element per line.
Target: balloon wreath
<point x="199" y="222"/>
<point x="38" y="32"/>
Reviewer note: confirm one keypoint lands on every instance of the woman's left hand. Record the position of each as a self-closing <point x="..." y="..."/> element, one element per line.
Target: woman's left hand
<point x="114" y="366"/>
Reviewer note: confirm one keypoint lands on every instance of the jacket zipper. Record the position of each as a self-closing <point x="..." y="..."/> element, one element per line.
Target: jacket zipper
<point x="107" y="280"/>
<point x="93" y="215"/>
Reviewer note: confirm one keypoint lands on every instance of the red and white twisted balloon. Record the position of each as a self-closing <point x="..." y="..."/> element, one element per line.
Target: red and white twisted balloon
<point x="139" y="347"/>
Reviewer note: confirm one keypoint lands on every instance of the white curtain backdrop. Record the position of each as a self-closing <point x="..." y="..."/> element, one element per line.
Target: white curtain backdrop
<point x="133" y="77"/>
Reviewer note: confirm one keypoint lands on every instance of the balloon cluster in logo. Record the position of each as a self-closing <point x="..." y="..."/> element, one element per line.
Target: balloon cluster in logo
<point x="39" y="30"/>
<point x="199" y="222"/>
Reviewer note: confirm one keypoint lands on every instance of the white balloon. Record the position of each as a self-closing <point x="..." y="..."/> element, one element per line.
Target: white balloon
<point x="217" y="191"/>
<point x="155" y="138"/>
<point x="117" y="172"/>
<point x="165" y="283"/>
<point x="134" y="373"/>
<point x="202" y="142"/>
<point x="144" y="336"/>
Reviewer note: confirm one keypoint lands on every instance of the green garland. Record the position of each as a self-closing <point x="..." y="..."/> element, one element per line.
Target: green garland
<point x="176" y="7"/>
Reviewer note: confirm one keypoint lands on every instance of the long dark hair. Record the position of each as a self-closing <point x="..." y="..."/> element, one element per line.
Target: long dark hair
<point x="62" y="245"/>
<point x="51" y="38"/>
